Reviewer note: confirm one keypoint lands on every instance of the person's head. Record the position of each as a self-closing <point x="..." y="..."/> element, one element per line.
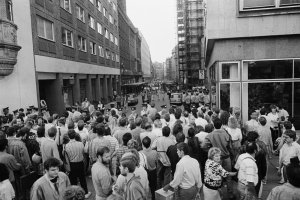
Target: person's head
<point x="146" y="142"/>
<point x="107" y="130"/>
<point x="52" y="132"/>
<point x="192" y="119"/>
<point x="262" y="121"/>
<point x="263" y="111"/>
<point x="80" y="125"/>
<point x="254" y="115"/>
<point x="157" y="123"/>
<point x="177" y="128"/>
<point x="74" y="192"/>
<point x="138" y="121"/>
<point x="293" y="172"/>
<point x="171" y="110"/>
<point x="148" y="126"/>
<point x="50" y="119"/>
<point x="166" y="131"/>
<point x="167" y="117"/>
<point x="273" y="108"/>
<point x="127" y="164"/>
<point x="157" y="116"/>
<point x="23" y="132"/>
<point x="99" y="129"/>
<point x="191" y="132"/>
<point x="51" y="165"/>
<point x="126" y="137"/>
<point x="177" y="115"/>
<point x="4" y="173"/>
<point x="133" y="144"/>
<point x="288" y="125"/>
<point x="100" y="119"/>
<point x="3" y="144"/>
<point x="182" y="149"/>
<point x="40" y="132"/>
<point x="232" y="122"/>
<point x="62" y="121"/>
<point x="209" y="128"/>
<point x="224" y="116"/>
<point x="214" y="154"/>
<point x="252" y="136"/>
<point x="11" y="131"/>
<point x="72" y="134"/>
<point x="251" y="148"/>
<point x="122" y="122"/>
<point x="180" y="137"/>
<point x="289" y="136"/>
<point x="217" y="123"/>
<point x="103" y="155"/>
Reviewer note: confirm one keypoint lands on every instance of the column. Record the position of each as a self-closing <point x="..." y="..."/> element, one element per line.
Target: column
<point x="55" y="95"/>
<point x="116" y="84"/>
<point x="105" y="91"/>
<point x="98" y="92"/>
<point x="110" y="87"/>
<point x="76" y="89"/>
<point x="88" y="88"/>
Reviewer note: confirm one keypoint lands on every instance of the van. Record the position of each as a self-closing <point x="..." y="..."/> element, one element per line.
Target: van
<point x="176" y="98"/>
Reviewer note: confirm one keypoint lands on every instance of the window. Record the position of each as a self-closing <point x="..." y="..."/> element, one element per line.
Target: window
<point x="101" y="51"/>
<point x="112" y="56"/>
<point x="111" y="19"/>
<point x="91" y="22"/>
<point x="230" y="71"/>
<point x="9" y="13"/>
<point x="66" y="4"/>
<point x="93" y="48"/>
<point x="67" y="37"/>
<point x="117" y="58"/>
<point x="106" y="33"/>
<point x="45" y="28"/>
<point x="114" y="7"/>
<point x="99" y="5"/>
<point x="80" y="13"/>
<point x="99" y="28"/>
<point x="104" y="12"/>
<point x="81" y="43"/>
<point x="248" y="5"/>
<point x="112" y="38"/>
<point x="92" y="1"/>
<point x="289" y="2"/>
<point x="107" y="54"/>
<point x="116" y="41"/>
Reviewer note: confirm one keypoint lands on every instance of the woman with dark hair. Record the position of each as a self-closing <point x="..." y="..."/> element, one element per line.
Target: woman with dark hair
<point x="291" y="189"/>
<point x="74" y="192"/>
<point x="194" y="145"/>
<point x="6" y="189"/>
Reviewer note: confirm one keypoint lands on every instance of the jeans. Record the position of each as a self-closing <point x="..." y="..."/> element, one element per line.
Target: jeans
<point x="187" y="194"/>
<point x="245" y="194"/>
<point x="77" y="171"/>
<point x="152" y="177"/>
<point x="163" y="175"/>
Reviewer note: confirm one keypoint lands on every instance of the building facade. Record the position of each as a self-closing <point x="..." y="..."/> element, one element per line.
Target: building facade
<point x="174" y="61"/>
<point x="71" y="52"/>
<point x="253" y="54"/>
<point x="130" y="48"/>
<point x="159" y="70"/>
<point x="190" y="32"/>
<point x="145" y="59"/>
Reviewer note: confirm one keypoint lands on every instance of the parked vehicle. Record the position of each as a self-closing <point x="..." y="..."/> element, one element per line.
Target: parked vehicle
<point x="176" y="98"/>
<point x="132" y="99"/>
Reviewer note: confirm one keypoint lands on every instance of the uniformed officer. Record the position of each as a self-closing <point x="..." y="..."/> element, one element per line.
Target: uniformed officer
<point x="144" y="109"/>
<point x="133" y="113"/>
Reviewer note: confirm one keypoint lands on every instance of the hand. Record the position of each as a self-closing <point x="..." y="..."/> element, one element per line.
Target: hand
<point x="166" y="188"/>
<point x="232" y="173"/>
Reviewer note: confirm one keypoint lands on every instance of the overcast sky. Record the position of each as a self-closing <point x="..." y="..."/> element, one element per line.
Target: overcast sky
<point x="156" y="19"/>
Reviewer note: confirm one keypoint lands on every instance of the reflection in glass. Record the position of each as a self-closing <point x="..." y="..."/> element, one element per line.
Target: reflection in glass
<point x="229" y="95"/>
<point x="230" y="71"/>
<point x="297" y="105"/>
<point x="297" y="69"/>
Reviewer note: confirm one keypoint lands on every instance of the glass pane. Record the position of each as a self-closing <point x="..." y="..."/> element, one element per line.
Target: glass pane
<point x="278" y="93"/>
<point x="63" y="36"/>
<point x="297" y="105"/>
<point x="269" y="69"/>
<point x="49" y="31"/>
<point x="289" y="2"/>
<point x="40" y="27"/>
<point x="230" y="71"/>
<point x="67" y="5"/>
<point x="258" y="3"/>
<point x="69" y="38"/>
<point x="297" y="69"/>
<point x="230" y="95"/>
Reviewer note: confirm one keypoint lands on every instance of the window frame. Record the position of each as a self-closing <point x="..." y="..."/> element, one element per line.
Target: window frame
<point x="111" y="19"/>
<point x="81" y="39"/>
<point x="105" y="12"/>
<point x="101" y="51"/>
<point x="91" y="21"/>
<point x="72" y="38"/>
<point x="9" y="10"/>
<point x="229" y="62"/>
<point x="106" y="33"/>
<point x="107" y="54"/>
<point x="44" y="27"/>
<point x="63" y="5"/>
<point x="91" y="1"/>
<point x="93" y="47"/>
<point x="99" y="27"/>
<point x="111" y="37"/>
<point x="99" y="5"/>
<point x="277" y="5"/>
<point x="79" y="14"/>
<point x="116" y="41"/>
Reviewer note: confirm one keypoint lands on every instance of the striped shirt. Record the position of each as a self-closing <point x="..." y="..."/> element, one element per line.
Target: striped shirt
<point x="75" y="151"/>
<point x="121" y="151"/>
<point x="96" y="144"/>
<point x="114" y="144"/>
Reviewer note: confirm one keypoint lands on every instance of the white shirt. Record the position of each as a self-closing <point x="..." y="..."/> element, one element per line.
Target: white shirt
<point x="157" y="132"/>
<point x="289" y="151"/>
<point x="273" y="117"/>
<point x="236" y="134"/>
<point x="200" y="122"/>
<point x="187" y="173"/>
<point x="84" y="133"/>
<point x="201" y="136"/>
<point x="247" y="168"/>
<point x="6" y="190"/>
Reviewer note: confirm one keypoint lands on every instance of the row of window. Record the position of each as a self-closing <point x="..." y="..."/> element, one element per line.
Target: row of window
<point x="267" y="4"/>
<point x="45" y="30"/>
<point x="66" y="4"/>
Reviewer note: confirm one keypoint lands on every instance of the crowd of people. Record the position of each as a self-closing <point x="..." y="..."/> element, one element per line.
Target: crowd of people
<point x="195" y="151"/>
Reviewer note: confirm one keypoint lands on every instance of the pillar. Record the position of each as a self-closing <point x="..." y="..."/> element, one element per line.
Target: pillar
<point x="110" y="86"/>
<point x="105" y="91"/>
<point x="98" y="93"/>
<point x="76" y="89"/>
<point x="88" y="88"/>
<point x="55" y="95"/>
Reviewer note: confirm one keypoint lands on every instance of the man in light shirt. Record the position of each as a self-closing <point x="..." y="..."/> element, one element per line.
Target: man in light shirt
<point x="187" y="176"/>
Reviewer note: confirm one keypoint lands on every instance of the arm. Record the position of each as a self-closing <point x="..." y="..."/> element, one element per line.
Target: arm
<point x="105" y="180"/>
<point x="177" y="176"/>
<point x="37" y="193"/>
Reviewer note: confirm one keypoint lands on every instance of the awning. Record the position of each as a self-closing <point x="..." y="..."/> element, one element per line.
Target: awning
<point x="135" y="84"/>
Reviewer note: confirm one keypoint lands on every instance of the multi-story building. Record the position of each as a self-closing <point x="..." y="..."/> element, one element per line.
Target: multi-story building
<point x="70" y="51"/>
<point x="168" y="72"/>
<point x="145" y="59"/>
<point x="130" y="48"/>
<point x="253" y="54"/>
<point x="174" y="61"/>
<point x="190" y="31"/>
<point x="159" y="70"/>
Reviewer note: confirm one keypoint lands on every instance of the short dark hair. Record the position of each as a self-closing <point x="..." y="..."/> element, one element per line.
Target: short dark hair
<point x="252" y="136"/>
<point x="166" y="131"/>
<point x="123" y="121"/>
<point x="138" y="121"/>
<point x="177" y="128"/>
<point x="129" y="162"/>
<point x="11" y="131"/>
<point x="251" y="147"/>
<point x="107" y="130"/>
<point x="191" y="132"/>
<point x="23" y="131"/>
<point x="157" y="116"/>
<point x="224" y="116"/>
<point x="4" y="173"/>
<point x="126" y="137"/>
<point x="3" y="144"/>
<point x="209" y="128"/>
<point x="177" y="115"/>
<point x="100" y="119"/>
<point x="40" y="131"/>
<point x="292" y="134"/>
<point x="262" y="121"/>
<point x="183" y="147"/>
<point x="50" y="119"/>
<point x="52" y="132"/>
<point x="217" y="123"/>
<point x="180" y="137"/>
<point x="146" y="142"/>
<point x="263" y="111"/>
<point x="101" y="151"/>
<point x="287" y="125"/>
<point x="71" y="125"/>
<point x="71" y="134"/>
<point x="51" y="162"/>
<point x="99" y="129"/>
<point x="293" y="172"/>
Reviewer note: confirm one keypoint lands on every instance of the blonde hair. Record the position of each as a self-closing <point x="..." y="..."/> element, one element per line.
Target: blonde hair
<point x="213" y="151"/>
<point x="232" y="122"/>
